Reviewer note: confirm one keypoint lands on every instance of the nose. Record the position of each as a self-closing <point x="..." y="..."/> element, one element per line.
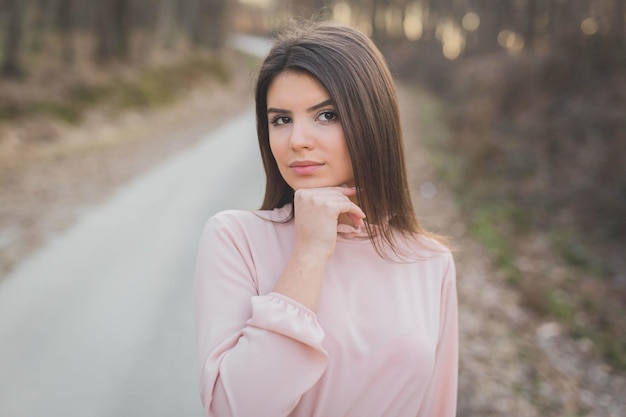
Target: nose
<point x="301" y="136"/>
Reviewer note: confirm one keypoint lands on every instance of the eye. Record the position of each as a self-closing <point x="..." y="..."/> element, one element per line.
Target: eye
<point x="328" y="116"/>
<point x="280" y="120"/>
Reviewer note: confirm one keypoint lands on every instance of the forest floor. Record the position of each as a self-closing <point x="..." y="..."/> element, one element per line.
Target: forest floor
<point x="511" y="362"/>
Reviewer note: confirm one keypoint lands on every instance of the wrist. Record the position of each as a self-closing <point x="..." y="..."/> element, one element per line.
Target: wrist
<point x="301" y="279"/>
<point x="309" y="256"/>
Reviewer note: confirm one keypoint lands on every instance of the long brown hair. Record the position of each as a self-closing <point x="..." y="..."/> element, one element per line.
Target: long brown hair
<point x="355" y="75"/>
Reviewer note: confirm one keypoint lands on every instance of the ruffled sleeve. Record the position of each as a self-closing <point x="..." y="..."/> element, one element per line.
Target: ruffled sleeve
<point x="257" y="353"/>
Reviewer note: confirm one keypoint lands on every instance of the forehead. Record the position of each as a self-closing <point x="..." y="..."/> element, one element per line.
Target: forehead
<point x="296" y="86"/>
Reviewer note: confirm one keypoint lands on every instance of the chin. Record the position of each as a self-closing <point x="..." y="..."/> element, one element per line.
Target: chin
<point x="312" y="183"/>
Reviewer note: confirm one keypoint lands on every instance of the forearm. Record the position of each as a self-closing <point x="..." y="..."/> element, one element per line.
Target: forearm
<point x="301" y="280"/>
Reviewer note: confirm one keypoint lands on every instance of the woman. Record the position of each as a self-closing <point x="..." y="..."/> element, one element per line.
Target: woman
<point x="330" y="300"/>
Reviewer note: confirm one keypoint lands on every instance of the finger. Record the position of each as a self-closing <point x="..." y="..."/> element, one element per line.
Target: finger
<point x="352" y="210"/>
<point x="356" y="220"/>
<point x="348" y="191"/>
<point x="334" y="198"/>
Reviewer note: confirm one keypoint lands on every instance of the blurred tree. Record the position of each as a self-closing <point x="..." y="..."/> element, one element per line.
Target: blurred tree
<point x="214" y="12"/>
<point x="163" y="24"/>
<point x="491" y="12"/>
<point x="189" y="15"/>
<point x="43" y="10"/>
<point x="567" y="16"/>
<point x="112" y="30"/>
<point x="432" y="9"/>
<point x="207" y="22"/>
<point x="111" y="25"/>
<point x="377" y="8"/>
<point x="66" y="21"/>
<point x="309" y="8"/>
<point x="532" y="12"/>
<point x="619" y="18"/>
<point x="12" y="63"/>
<point x="551" y="15"/>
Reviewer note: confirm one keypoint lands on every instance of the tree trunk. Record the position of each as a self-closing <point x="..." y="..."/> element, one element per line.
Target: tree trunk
<point x="309" y="8"/>
<point x="113" y="30"/>
<point x="209" y="23"/>
<point x="566" y="18"/>
<point x="12" y="64"/>
<point x="40" y="23"/>
<point x="193" y="20"/>
<point x="215" y="23"/>
<point x="165" y="31"/>
<point x="122" y="24"/>
<point x="531" y="17"/>
<point x="552" y="18"/>
<point x="618" y="25"/>
<point x="490" y="22"/>
<point x="376" y="9"/>
<point x="66" y="28"/>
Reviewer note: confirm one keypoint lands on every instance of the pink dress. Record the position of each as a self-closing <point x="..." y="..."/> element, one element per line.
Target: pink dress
<point x="383" y="343"/>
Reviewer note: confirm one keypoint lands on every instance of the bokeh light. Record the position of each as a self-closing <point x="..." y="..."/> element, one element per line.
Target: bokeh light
<point x="510" y="40"/>
<point x="451" y="37"/>
<point x="589" y="26"/>
<point x="342" y="13"/>
<point x="470" y="22"/>
<point x="413" y="23"/>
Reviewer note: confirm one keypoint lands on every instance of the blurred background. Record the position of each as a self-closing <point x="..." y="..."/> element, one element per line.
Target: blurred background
<point x="124" y="124"/>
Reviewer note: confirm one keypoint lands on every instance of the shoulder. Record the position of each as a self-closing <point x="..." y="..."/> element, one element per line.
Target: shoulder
<point x="431" y="245"/>
<point x="246" y="222"/>
<point x="231" y="217"/>
<point x="437" y="256"/>
<point x="426" y="247"/>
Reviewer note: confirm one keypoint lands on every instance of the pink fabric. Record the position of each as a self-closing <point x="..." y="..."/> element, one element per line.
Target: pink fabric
<point x="384" y="341"/>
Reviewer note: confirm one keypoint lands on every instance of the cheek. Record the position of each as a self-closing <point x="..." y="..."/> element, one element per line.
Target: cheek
<point x="277" y="149"/>
<point x="274" y="147"/>
<point x="347" y="161"/>
<point x="343" y="151"/>
<point x="348" y="166"/>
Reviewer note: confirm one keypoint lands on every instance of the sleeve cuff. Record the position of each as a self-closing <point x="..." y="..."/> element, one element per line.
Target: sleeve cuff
<point x="283" y="315"/>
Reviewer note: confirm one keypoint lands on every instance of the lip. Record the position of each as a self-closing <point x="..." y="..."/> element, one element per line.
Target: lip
<point x="305" y="167"/>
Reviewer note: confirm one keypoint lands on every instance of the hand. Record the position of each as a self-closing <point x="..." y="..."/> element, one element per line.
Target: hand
<point x="317" y="212"/>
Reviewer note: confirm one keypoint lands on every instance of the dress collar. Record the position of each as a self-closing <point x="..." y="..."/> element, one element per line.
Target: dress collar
<point x="347" y="231"/>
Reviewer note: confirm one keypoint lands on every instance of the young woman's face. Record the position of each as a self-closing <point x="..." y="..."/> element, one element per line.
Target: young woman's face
<point x="306" y="136"/>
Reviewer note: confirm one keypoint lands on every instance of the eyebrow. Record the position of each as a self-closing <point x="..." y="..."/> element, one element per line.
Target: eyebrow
<point x="310" y="109"/>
